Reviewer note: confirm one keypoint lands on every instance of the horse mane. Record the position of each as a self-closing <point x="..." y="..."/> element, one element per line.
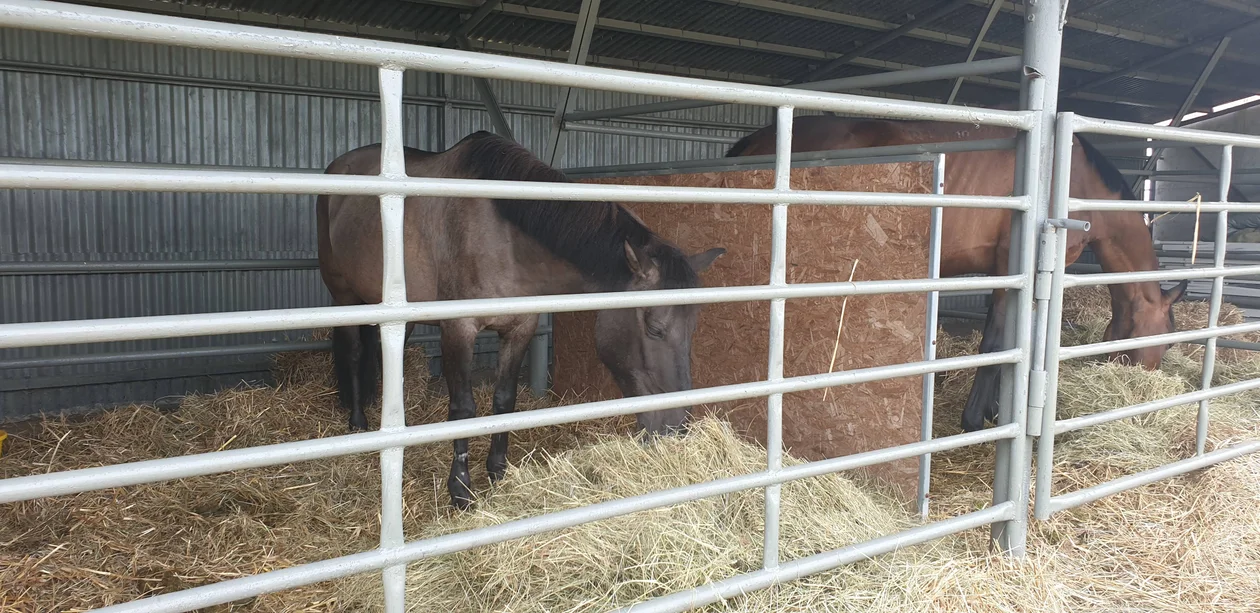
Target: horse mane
<point x="589" y="235"/>
<point x="1107" y="171"/>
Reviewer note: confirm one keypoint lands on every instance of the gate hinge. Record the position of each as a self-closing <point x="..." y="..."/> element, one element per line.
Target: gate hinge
<point x="1036" y="401"/>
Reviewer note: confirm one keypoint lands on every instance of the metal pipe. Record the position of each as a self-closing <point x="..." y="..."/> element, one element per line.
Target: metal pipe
<point x="1043" y="37"/>
<point x="1081" y="351"/>
<point x="393" y="335"/>
<point x="882" y="79"/>
<point x="60" y="483"/>
<point x="994" y="9"/>
<point x="647" y="133"/>
<point x="1157" y="206"/>
<point x="1146" y="477"/>
<point x="1050" y="348"/>
<point x="1145" y="408"/>
<point x="179" y="31"/>
<point x="778" y="278"/>
<point x="1092" y="125"/>
<point x="164" y="266"/>
<point x="174" y="326"/>
<point x="1112" y="278"/>
<point x="1218" y="290"/>
<point x="125" y="179"/>
<point x="871" y="155"/>
<point x="929" y="346"/>
<point x="315" y="572"/>
<point x="820" y="562"/>
<point x="936" y="12"/>
<point x="583" y="31"/>
<point x="539" y="372"/>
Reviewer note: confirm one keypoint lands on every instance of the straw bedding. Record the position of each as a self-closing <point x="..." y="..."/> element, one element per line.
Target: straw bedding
<point x="1187" y="544"/>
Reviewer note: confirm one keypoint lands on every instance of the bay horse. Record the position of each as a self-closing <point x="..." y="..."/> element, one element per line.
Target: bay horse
<point x="458" y="248"/>
<point x="977" y="241"/>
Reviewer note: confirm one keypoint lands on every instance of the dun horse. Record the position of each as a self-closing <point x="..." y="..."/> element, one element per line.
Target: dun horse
<point x="978" y="240"/>
<point x="480" y="248"/>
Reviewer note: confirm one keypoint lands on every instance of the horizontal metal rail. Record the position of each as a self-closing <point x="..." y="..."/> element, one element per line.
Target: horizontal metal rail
<point x="1138" y="130"/>
<point x="325" y="570"/>
<point x="883" y="79"/>
<point x="209" y="352"/>
<point x="868" y="155"/>
<point x="1159" y="206"/>
<point x="1146" y="477"/>
<point x="1185" y="336"/>
<point x="23" y="176"/>
<point x="1112" y="278"/>
<point x="150" y="471"/>
<point x="821" y="562"/>
<point x="83" y="20"/>
<point x="649" y="133"/>
<point x="114" y="267"/>
<point x="174" y="326"/>
<point x="1137" y="410"/>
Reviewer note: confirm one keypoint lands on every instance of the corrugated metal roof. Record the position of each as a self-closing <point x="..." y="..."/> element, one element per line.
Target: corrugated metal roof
<point x="1102" y="35"/>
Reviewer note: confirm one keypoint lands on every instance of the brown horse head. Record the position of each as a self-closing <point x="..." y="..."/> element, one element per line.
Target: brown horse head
<point x="1144" y="318"/>
<point x="648" y="350"/>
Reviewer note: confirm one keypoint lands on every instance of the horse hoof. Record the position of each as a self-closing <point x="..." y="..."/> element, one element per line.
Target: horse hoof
<point x="358" y="423"/>
<point x="496" y="468"/>
<point x="460" y="488"/>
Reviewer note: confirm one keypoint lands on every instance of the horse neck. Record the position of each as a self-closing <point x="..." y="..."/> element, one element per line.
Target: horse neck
<point x="1122" y="243"/>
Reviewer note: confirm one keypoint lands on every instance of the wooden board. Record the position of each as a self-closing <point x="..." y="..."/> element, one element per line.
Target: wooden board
<point x="731" y="340"/>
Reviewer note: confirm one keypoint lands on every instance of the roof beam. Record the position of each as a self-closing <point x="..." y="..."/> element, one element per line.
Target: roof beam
<point x="975" y="46"/>
<point x="1159" y="59"/>
<point x="718" y="40"/>
<point x="938" y="11"/>
<point x="854" y="21"/>
<point x="1233" y="5"/>
<point x="1085" y="25"/>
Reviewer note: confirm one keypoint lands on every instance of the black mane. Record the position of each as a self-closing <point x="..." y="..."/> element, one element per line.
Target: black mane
<point x="589" y="235"/>
<point x="1106" y="170"/>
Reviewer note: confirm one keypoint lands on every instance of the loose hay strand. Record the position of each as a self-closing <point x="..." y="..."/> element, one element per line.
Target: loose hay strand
<point x="840" y="328"/>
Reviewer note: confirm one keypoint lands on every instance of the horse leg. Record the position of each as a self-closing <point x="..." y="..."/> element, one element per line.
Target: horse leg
<point x="982" y="404"/>
<point x="513" y="345"/>
<point x="347" y="356"/>
<point x="458" y="337"/>
<point x="369" y="368"/>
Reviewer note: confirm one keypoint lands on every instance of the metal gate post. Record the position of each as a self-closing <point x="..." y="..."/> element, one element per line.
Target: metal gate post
<point x="1043" y="37"/>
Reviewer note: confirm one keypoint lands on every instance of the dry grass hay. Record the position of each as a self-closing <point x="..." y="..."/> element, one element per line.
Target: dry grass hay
<point x="1188" y="544"/>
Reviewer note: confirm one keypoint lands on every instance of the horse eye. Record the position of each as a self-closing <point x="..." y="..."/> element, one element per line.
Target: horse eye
<point x="655" y="332"/>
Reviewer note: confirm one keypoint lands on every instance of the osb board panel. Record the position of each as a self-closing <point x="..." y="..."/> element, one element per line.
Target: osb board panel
<point x="730" y="343"/>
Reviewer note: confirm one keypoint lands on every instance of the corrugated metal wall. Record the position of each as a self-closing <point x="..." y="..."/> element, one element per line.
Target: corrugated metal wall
<point x="87" y="99"/>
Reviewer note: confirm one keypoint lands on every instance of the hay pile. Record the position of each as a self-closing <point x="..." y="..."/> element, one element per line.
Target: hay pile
<point x="98" y="548"/>
<point x="1187" y="544"/>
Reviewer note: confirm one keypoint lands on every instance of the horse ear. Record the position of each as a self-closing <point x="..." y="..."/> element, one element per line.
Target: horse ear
<point x="637" y="260"/>
<point x="702" y="261"/>
<point x="1174" y="294"/>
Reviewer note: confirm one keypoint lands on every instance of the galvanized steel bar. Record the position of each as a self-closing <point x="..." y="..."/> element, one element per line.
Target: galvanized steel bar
<point x="778" y="278"/>
<point x="1049" y="350"/>
<point x="1081" y="351"/>
<point x="882" y="79"/>
<point x="1219" y="244"/>
<point x="1043" y="37"/>
<point x="994" y="9"/>
<point x="866" y="155"/>
<point x="174" y="326"/>
<point x="1145" y="408"/>
<point x="394" y="293"/>
<point x="821" y="562"/>
<point x="538" y="357"/>
<point x="315" y="572"/>
<point x="23" y="176"/>
<point x="929" y="347"/>
<point x="583" y="31"/>
<point x="648" y="133"/>
<point x="1146" y="477"/>
<point x="1157" y="206"/>
<point x="179" y="31"/>
<point x="120" y="475"/>
<point x="1093" y="125"/>
<point x="1112" y="278"/>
